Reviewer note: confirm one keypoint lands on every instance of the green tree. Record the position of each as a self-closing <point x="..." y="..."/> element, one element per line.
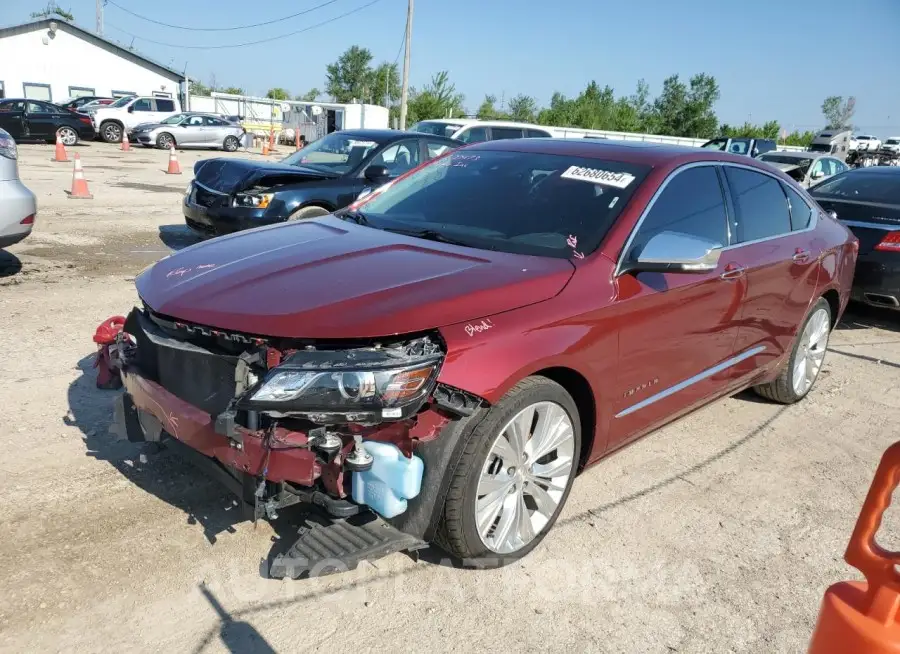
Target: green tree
<point x="687" y="110"/>
<point x="309" y="96"/>
<point x="278" y="93"/>
<point x="838" y="112"/>
<point x="487" y="110"/>
<point x="523" y="108"/>
<point x="439" y="99"/>
<point x="349" y="78"/>
<point x="233" y="90"/>
<point x="198" y="88"/>
<point x="385" y="85"/>
<point x="53" y="9"/>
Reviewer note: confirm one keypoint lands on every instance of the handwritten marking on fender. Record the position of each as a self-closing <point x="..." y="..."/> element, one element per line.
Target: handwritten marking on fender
<point x="479" y="327"/>
<point x="181" y="272"/>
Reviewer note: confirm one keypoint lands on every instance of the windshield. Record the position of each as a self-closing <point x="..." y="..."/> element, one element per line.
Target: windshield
<point x="862" y="185"/>
<point x="715" y="144"/>
<point x="892" y="142"/>
<point x="804" y="164"/>
<point x="339" y="152"/>
<point x="436" y="127"/>
<point x="121" y="102"/>
<point x="820" y="147"/>
<point x="527" y="203"/>
<point x="173" y="120"/>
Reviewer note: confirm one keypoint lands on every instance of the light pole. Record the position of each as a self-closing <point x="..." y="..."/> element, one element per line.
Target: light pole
<point x="404" y="91"/>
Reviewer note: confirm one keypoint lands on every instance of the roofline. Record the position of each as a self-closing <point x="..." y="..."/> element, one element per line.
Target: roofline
<point x="89" y="36"/>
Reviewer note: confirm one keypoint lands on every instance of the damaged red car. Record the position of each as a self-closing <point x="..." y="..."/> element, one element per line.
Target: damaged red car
<point x="437" y="362"/>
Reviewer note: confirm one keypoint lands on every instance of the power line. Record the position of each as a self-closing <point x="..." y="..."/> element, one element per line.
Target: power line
<point x="219" y="29"/>
<point x="248" y="43"/>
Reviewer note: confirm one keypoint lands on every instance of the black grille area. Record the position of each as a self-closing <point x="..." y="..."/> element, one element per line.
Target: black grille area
<point x="206" y="198"/>
<point x="192" y="373"/>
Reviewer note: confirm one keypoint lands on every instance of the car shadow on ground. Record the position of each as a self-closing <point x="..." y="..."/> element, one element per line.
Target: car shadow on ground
<point x="863" y="316"/>
<point x="10" y="264"/>
<point x="178" y="237"/>
<point x="148" y="466"/>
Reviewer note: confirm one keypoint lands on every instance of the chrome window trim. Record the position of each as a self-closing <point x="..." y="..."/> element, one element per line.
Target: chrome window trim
<point x="690" y="381"/>
<point x="730" y="246"/>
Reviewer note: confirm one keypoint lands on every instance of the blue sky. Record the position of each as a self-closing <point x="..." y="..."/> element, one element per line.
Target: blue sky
<point x="774" y="59"/>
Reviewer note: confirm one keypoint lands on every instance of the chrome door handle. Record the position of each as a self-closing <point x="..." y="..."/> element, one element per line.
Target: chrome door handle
<point x="732" y="273"/>
<point x="801" y="256"/>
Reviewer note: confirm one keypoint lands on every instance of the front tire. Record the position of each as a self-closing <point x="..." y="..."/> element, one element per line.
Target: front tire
<point x="796" y="379"/>
<point x="514" y="475"/>
<point x="165" y="141"/>
<point x="309" y="212"/>
<point x="231" y="144"/>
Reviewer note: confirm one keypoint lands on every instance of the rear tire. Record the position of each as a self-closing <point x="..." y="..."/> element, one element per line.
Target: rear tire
<point x="799" y="375"/>
<point x="67" y="135"/>
<point x="231" y="144"/>
<point x="530" y="492"/>
<point x="309" y="212"/>
<point x="111" y="132"/>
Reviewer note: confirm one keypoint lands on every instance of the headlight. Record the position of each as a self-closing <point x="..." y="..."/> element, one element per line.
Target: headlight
<point x="366" y="385"/>
<point x="190" y="185"/>
<point x="255" y="200"/>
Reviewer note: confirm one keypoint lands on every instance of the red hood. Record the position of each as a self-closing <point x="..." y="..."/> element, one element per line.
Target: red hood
<point x="328" y="278"/>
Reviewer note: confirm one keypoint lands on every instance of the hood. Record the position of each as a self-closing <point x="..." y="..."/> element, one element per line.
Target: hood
<point x="230" y="175"/>
<point x="327" y="278"/>
<point x="783" y="167"/>
<point x="146" y="127"/>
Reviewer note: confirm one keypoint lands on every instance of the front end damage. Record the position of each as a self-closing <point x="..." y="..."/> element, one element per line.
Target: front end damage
<point x="283" y="422"/>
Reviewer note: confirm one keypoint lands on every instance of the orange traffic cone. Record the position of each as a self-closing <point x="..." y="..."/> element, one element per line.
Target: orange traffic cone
<point x="79" y="183"/>
<point x="272" y="140"/>
<point x="297" y="139"/>
<point x="862" y="617"/>
<point x="265" y="150"/>
<point x="126" y="145"/>
<point x="174" y="168"/>
<point x="60" y="151"/>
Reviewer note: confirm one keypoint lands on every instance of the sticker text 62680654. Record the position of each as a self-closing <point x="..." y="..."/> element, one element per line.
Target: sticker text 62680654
<point x="597" y="176"/>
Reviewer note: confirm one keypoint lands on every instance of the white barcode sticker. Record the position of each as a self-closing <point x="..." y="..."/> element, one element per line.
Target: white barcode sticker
<point x="597" y="176"/>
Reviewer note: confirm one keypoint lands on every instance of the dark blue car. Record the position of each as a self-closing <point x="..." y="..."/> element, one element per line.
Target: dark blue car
<point x="229" y="195"/>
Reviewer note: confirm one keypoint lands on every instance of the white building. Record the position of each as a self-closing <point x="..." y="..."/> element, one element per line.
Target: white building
<point x="52" y="60"/>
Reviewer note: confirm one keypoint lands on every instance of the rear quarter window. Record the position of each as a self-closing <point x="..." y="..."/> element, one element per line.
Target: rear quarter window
<point x="760" y="205"/>
<point x="801" y="213"/>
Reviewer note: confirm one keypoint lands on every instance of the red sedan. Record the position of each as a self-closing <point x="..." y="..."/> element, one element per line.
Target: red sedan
<point x="452" y="350"/>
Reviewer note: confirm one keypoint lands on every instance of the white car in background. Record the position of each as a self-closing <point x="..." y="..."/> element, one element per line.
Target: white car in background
<point x="470" y="130"/>
<point x="892" y="143"/>
<point x="112" y="120"/>
<point x="18" y="206"/>
<point x="866" y="142"/>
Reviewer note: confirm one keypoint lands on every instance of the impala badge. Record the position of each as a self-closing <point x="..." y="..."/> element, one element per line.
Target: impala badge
<point x="642" y="387"/>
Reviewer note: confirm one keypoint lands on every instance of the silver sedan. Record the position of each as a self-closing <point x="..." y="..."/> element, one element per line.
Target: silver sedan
<point x="189" y="130"/>
<point x="808" y="168"/>
<point x="18" y="206"/>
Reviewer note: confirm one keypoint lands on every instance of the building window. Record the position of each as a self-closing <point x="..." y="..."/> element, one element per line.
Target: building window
<point x="2" y="90"/>
<point x="80" y="91"/>
<point x="37" y="91"/>
<point x="123" y="94"/>
<point x="161" y="94"/>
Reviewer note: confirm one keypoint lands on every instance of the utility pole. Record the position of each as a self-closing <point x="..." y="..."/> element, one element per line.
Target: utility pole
<point x="99" y="17"/>
<point x="404" y="91"/>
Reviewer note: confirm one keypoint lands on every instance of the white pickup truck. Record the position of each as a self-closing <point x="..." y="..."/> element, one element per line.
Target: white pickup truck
<point x="112" y="120"/>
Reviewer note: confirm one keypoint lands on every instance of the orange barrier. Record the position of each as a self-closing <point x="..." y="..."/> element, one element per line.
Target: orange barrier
<point x="297" y="139"/>
<point x="265" y="149"/>
<point x="174" y="168"/>
<point x="861" y="617"/>
<point x="272" y="140"/>
<point x="79" y="183"/>
<point x="60" y="154"/>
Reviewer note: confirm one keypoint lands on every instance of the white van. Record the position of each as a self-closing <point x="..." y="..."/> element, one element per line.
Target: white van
<point x="470" y="130"/>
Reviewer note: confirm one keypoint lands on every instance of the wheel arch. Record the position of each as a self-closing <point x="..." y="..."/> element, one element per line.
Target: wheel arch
<point x="580" y="389"/>
<point x="170" y="135"/>
<point x="834" y="302"/>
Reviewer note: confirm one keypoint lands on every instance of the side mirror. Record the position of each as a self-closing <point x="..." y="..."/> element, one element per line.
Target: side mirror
<point x="818" y="174"/>
<point x="676" y="252"/>
<point x="131" y="109"/>
<point x="376" y="174"/>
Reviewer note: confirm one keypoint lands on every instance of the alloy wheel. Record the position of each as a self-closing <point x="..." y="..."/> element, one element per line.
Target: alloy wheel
<point x="524" y="477"/>
<point x="164" y="141"/>
<point x="112" y="133"/>
<point x="810" y="352"/>
<point x="67" y="135"/>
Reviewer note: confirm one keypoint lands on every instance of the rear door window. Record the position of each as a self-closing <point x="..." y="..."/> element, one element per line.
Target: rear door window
<point x="474" y="135"/>
<point x="500" y="133"/>
<point x="536" y="134"/>
<point x="437" y="148"/>
<point x="164" y="105"/>
<point x="142" y="105"/>
<point x="760" y="205"/>
<point x="691" y="203"/>
<point x="801" y="213"/>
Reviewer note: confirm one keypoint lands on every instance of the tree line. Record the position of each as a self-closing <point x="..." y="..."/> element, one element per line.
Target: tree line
<point x="682" y="108"/>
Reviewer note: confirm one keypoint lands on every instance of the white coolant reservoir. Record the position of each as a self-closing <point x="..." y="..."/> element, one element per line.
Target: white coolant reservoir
<point x="390" y="481"/>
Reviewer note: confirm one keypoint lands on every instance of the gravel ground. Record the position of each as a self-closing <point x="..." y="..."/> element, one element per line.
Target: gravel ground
<point x="718" y="533"/>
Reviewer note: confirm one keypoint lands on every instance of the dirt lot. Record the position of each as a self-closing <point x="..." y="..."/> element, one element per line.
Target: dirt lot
<point x="716" y="534"/>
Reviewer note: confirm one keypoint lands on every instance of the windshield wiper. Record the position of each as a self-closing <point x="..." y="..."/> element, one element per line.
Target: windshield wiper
<point x="427" y="234"/>
<point x="355" y="216"/>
